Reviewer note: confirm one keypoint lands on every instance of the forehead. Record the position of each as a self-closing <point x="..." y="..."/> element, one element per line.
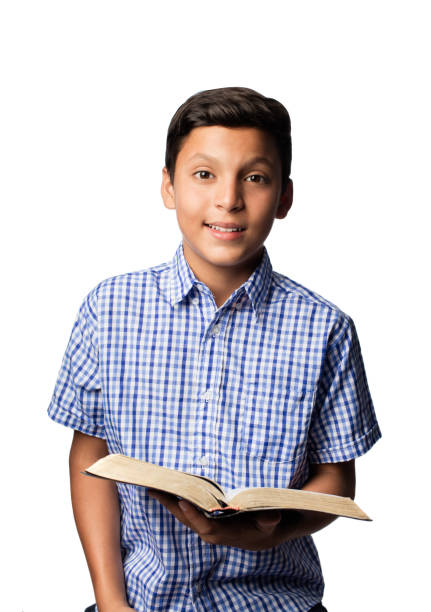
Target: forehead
<point x="220" y="142"/>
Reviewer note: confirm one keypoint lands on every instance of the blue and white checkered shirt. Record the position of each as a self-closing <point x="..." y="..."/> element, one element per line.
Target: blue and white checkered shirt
<point x="247" y="394"/>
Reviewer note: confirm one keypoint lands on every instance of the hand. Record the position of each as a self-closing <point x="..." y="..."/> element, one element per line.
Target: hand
<point x="250" y="531"/>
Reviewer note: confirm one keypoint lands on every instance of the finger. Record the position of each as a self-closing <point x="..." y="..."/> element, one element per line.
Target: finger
<point x="267" y="520"/>
<point x="170" y="502"/>
<point x="198" y="521"/>
<point x="184" y="512"/>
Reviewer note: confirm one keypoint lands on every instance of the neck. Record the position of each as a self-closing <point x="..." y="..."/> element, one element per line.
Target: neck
<point x="221" y="280"/>
<point x="222" y="285"/>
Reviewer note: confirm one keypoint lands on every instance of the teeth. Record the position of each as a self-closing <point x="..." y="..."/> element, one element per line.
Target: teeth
<point x="225" y="229"/>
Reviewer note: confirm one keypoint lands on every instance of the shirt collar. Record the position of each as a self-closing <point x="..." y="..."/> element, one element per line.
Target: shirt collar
<point x="182" y="277"/>
<point x="257" y="286"/>
<point x="182" y="280"/>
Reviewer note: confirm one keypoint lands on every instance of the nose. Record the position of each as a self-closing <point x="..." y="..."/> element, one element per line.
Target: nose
<point x="229" y="196"/>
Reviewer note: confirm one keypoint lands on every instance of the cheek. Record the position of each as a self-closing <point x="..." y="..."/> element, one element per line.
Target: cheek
<point x="188" y="216"/>
<point x="190" y="203"/>
<point x="264" y="216"/>
<point x="265" y="228"/>
<point x="189" y="220"/>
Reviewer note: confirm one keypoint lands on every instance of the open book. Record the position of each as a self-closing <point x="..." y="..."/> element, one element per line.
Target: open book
<point x="209" y="496"/>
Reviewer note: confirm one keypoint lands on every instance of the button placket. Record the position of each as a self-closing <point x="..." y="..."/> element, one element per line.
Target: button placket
<point x="206" y="385"/>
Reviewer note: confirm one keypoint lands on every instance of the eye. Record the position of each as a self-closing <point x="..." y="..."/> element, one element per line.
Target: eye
<point x="203" y="174"/>
<point x="256" y="178"/>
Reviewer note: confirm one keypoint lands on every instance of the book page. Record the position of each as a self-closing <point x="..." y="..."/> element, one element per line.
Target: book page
<point x="201" y="492"/>
<point x="212" y="482"/>
<point x="294" y="499"/>
<point x="230" y="493"/>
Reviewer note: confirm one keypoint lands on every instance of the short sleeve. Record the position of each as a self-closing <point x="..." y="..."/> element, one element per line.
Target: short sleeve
<point x="77" y="399"/>
<point x="343" y="425"/>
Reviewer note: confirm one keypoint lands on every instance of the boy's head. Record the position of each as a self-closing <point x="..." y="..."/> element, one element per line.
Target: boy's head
<point x="227" y="176"/>
<point x="231" y="107"/>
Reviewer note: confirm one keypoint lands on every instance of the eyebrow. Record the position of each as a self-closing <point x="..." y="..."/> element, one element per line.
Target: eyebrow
<point x="257" y="159"/>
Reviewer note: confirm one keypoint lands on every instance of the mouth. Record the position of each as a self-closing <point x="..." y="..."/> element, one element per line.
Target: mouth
<point x="227" y="228"/>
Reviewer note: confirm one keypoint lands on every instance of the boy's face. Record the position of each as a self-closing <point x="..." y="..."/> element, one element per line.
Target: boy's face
<point x="226" y="179"/>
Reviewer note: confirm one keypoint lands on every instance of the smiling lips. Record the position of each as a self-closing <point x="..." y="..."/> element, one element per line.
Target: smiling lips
<point x="225" y="231"/>
<point x="225" y="227"/>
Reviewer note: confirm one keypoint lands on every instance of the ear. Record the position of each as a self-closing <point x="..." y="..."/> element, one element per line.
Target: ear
<point x="167" y="190"/>
<point x="285" y="203"/>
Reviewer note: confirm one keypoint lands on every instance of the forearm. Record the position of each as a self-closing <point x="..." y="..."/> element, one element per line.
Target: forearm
<point x="335" y="479"/>
<point x="265" y="529"/>
<point x="97" y="516"/>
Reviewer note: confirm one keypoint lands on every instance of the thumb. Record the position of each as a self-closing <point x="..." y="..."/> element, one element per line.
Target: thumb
<point x="267" y="520"/>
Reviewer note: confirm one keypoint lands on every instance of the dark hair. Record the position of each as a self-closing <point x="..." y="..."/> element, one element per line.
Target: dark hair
<point x="231" y="107"/>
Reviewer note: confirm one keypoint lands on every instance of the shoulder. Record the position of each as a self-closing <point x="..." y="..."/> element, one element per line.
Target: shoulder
<point x="286" y="288"/>
<point x="304" y="299"/>
<point x="130" y="286"/>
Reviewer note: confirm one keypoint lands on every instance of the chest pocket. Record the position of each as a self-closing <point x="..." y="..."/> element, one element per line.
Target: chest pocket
<point x="275" y="419"/>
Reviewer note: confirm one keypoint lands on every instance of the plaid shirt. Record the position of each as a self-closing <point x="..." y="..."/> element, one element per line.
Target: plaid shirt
<point x="248" y="394"/>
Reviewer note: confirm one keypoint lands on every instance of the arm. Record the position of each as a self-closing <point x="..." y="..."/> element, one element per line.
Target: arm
<point x="97" y="516"/>
<point x="333" y="478"/>
<point x="267" y="529"/>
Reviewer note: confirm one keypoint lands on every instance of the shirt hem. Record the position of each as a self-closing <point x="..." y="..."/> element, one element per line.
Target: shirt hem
<point x="73" y="422"/>
<point x="354" y="449"/>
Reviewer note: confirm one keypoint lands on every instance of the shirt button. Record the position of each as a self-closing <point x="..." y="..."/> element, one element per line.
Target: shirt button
<point x="216" y="330"/>
<point x="204" y="460"/>
<point x="195" y="300"/>
<point x="207" y="395"/>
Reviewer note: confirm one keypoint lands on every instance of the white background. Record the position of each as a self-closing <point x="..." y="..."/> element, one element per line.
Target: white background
<point x="88" y="91"/>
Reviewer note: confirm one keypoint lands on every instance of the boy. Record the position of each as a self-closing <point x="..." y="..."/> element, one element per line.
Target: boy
<point x="213" y="364"/>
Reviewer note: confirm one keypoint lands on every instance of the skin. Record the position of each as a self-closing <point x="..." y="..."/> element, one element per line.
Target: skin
<point x="97" y="516"/>
<point x="266" y="529"/>
<point x="226" y="175"/>
<point x="222" y="175"/>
